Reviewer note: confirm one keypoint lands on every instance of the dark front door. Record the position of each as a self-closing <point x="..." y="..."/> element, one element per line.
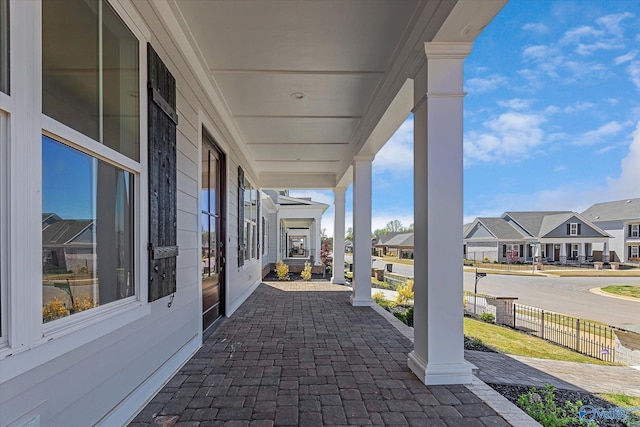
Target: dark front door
<point x="212" y="204"/>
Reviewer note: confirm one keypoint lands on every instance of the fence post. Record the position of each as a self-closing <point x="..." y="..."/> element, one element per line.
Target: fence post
<point x="542" y="325"/>
<point x="514" y="316"/>
<point x="578" y="335"/>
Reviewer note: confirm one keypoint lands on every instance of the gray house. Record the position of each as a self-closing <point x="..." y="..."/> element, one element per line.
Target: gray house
<point x="555" y="236"/>
<point x="621" y="219"/>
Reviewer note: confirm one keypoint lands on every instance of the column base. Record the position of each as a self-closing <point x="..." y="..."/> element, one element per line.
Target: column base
<point x="360" y="302"/>
<point x="441" y="374"/>
<point x="338" y="281"/>
<point x="563" y="259"/>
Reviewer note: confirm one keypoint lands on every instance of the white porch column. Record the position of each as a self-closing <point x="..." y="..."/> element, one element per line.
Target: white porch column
<point x="438" y="355"/>
<point x="362" y="231"/>
<point x="338" y="235"/>
<point x="278" y="237"/>
<point x="605" y="253"/>
<point x="318" y="239"/>
<point x="563" y="253"/>
<point x="581" y="253"/>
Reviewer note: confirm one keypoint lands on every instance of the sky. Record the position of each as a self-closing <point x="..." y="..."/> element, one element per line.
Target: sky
<point x="551" y="116"/>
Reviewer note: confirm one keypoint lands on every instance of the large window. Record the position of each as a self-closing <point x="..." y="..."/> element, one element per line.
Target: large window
<point x="634" y="230"/>
<point x="250" y="221"/>
<point x="4" y="46"/>
<point x="574" y="230"/>
<point x="87" y="231"/>
<point x="634" y="252"/>
<point x="90" y="72"/>
<point x="90" y="84"/>
<point x="574" y="250"/>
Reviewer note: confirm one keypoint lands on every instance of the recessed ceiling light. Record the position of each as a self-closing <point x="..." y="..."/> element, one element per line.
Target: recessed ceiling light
<point x="297" y="95"/>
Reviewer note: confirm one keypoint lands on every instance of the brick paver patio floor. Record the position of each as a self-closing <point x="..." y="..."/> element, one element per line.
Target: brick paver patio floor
<point x="300" y="354"/>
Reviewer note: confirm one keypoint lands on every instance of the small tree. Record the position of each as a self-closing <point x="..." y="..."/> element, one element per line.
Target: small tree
<point x="306" y="271"/>
<point x="405" y="293"/>
<point x="512" y="256"/>
<point x="282" y="271"/>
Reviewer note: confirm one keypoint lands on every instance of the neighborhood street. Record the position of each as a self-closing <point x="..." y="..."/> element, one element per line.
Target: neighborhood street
<point x="566" y="295"/>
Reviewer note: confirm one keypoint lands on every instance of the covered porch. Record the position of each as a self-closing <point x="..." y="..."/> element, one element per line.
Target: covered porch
<point x="299" y="354"/>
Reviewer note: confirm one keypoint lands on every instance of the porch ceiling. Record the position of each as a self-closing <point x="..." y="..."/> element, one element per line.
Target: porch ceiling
<point x="346" y="60"/>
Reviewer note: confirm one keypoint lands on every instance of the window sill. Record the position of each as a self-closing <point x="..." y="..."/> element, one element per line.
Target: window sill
<point x="69" y="335"/>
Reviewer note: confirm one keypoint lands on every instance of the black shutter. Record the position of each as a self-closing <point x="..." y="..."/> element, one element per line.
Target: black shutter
<point x="568" y="229"/>
<point x="258" y="226"/>
<point x="163" y="119"/>
<point x="521" y="251"/>
<point x="629" y="235"/>
<point x="504" y="251"/>
<point x="629" y="257"/>
<point x="579" y="228"/>
<point x="241" y="246"/>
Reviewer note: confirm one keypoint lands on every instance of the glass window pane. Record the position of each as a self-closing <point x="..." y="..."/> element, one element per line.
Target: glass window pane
<point x="205" y="228"/>
<point x="70" y="77"/>
<point x="204" y="192"/>
<point x="120" y="85"/>
<point x="4" y="46"/>
<point x="87" y="241"/>
<point x="90" y="77"/>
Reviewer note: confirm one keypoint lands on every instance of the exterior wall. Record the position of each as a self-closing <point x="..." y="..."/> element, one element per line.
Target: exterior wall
<point x="616" y="243"/>
<point x="102" y="370"/>
<point x="479" y="231"/>
<point x="477" y="251"/>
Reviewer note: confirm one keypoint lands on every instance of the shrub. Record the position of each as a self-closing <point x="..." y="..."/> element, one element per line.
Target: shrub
<point x="378" y="297"/>
<point x="282" y="271"/>
<point x="405" y="293"/>
<point x="406" y="316"/>
<point x="306" y="271"/>
<point x="486" y="259"/>
<point x="477" y="342"/>
<point x="55" y="309"/>
<point x="83" y="303"/>
<point x="541" y="406"/>
<point x="488" y="317"/>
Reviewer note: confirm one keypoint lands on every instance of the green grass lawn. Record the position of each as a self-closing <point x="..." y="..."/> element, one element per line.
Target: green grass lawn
<point x="622" y="400"/>
<point x="396" y="260"/>
<point x="623" y="290"/>
<point x="510" y="341"/>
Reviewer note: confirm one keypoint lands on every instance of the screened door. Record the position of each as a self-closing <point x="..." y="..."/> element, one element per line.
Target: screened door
<point x="212" y="203"/>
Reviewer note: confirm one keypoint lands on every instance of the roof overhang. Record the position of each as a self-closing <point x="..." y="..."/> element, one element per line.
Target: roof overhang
<point x="302" y="87"/>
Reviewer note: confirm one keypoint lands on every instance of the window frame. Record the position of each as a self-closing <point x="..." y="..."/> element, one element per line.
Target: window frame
<point x="574" y="250"/>
<point x="250" y="222"/>
<point x="637" y="251"/>
<point x="512" y="246"/>
<point x="66" y="135"/>
<point x="573" y="229"/>
<point x="4" y="229"/>
<point x="635" y="230"/>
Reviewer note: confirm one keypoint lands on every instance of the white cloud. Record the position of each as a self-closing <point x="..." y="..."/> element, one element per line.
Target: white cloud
<point x="536" y="27"/>
<point x="588" y="39"/>
<point x="516" y="104"/>
<point x="559" y="168"/>
<point x="626" y="185"/>
<point x="511" y="136"/>
<point x="612" y="101"/>
<point x="578" y="107"/>
<point x="599" y="135"/>
<point x="397" y="153"/>
<point x="539" y="52"/>
<point x="481" y="85"/>
<point x="625" y="58"/>
<point x="573" y="196"/>
<point x="634" y="73"/>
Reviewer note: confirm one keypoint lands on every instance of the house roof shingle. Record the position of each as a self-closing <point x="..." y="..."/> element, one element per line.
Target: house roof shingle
<point x="628" y="209"/>
<point x="500" y="228"/>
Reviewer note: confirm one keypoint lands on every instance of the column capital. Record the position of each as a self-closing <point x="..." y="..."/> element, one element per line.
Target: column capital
<point x="447" y="50"/>
<point x="364" y="158"/>
<point x="339" y="190"/>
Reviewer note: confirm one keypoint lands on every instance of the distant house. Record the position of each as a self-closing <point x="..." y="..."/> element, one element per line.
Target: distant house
<point x="396" y="244"/>
<point x="291" y="228"/>
<point x="556" y="236"/>
<point x="621" y="219"/>
<point x="67" y="244"/>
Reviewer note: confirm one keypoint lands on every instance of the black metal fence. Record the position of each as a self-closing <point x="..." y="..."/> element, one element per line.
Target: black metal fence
<point x="585" y="337"/>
